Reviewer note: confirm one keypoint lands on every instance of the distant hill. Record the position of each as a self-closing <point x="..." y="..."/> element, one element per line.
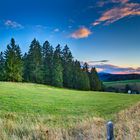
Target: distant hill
<point x="107" y="77"/>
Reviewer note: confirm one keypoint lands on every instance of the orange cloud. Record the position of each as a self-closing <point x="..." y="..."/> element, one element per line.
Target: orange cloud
<point x="81" y="33"/>
<point x="117" y="13"/>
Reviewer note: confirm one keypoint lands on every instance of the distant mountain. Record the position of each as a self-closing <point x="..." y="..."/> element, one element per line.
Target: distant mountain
<point x="107" y="77"/>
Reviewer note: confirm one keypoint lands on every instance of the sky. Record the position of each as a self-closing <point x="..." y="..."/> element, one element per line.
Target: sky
<point x="103" y="33"/>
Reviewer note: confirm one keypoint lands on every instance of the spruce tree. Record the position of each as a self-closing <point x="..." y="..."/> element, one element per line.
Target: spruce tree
<point x="86" y="76"/>
<point x="67" y="59"/>
<point x="2" y="66"/>
<point x="13" y="62"/>
<point x="80" y="78"/>
<point x="95" y="82"/>
<point x="84" y="82"/>
<point x="25" y="68"/>
<point x="57" y="70"/>
<point x="86" y="68"/>
<point x="47" y="63"/>
<point x="34" y="63"/>
<point x="76" y="74"/>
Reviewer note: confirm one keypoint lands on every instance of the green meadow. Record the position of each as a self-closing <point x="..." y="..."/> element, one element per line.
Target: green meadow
<point x="35" y="99"/>
<point x="40" y="112"/>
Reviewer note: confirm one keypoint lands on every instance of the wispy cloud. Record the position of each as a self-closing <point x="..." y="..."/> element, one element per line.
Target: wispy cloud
<point x="124" y="9"/>
<point x="56" y="30"/>
<point x="99" y="61"/>
<point x="81" y="33"/>
<point x="119" y="1"/>
<point x="102" y="3"/>
<point x="13" y="24"/>
<point x="40" y="26"/>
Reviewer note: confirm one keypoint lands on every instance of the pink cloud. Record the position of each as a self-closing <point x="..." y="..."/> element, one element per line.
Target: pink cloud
<point x="116" y="13"/>
<point x="81" y="33"/>
<point x="104" y="2"/>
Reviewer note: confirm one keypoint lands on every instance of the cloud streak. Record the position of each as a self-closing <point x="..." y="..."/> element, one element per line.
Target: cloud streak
<point x="100" y="61"/>
<point x="81" y="33"/>
<point x="105" y="2"/>
<point x="13" y="24"/>
<point x="124" y="9"/>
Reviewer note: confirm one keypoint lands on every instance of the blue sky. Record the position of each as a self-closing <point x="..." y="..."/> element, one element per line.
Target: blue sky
<point x="95" y="30"/>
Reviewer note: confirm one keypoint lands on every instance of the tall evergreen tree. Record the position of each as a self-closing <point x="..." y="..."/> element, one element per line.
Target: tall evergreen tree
<point x="47" y="63"/>
<point x="76" y="74"/>
<point x="80" y="78"/>
<point x="13" y="62"/>
<point x="67" y="59"/>
<point x="34" y="63"/>
<point x="57" y="71"/>
<point x="86" y="76"/>
<point x="25" y="68"/>
<point x="95" y="82"/>
<point x="84" y="81"/>
<point x="86" y="68"/>
<point x="2" y="65"/>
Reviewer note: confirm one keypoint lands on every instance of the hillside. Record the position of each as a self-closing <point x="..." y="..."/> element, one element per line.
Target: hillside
<point x="27" y="110"/>
<point x="107" y="77"/>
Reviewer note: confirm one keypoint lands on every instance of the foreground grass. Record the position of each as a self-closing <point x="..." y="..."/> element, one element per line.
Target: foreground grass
<point x="31" y="111"/>
<point x="126" y="124"/>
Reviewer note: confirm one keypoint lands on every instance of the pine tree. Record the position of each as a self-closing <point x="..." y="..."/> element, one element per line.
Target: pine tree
<point x="86" y="68"/>
<point x="95" y="82"/>
<point x="34" y="63"/>
<point x="84" y="82"/>
<point x="86" y="77"/>
<point x="47" y="63"/>
<point x="80" y="77"/>
<point x="57" y="71"/>
<point x="67" y="59"/>
<point x="25" y="68"/>
<point x="76" y="74"/>
<point x="13" y="62"/>
<point x="2" y="65"/>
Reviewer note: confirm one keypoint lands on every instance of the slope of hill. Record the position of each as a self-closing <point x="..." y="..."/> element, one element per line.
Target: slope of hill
<point x="28" y="111"/>
<point x="106" y="77"/>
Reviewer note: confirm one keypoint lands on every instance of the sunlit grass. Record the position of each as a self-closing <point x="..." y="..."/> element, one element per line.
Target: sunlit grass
<point x="36" y="111"/>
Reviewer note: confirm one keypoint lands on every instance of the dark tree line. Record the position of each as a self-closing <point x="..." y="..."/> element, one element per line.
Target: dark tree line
<point x="47" y="65"/>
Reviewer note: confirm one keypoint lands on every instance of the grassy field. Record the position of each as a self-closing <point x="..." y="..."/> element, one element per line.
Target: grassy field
<point x="134" y="84"/>
<point x="27" y="110"/>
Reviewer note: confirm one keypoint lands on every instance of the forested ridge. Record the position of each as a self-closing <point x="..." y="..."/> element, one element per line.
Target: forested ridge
<point x="47" y="65"/>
